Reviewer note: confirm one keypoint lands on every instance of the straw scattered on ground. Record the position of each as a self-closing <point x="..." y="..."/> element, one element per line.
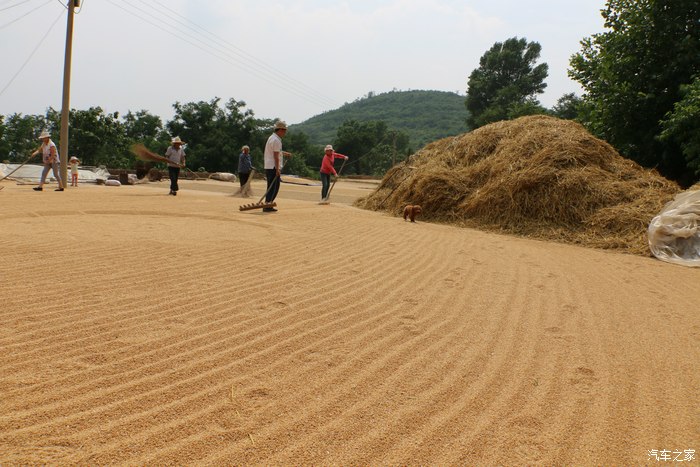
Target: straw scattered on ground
<point x="536" y="176"/>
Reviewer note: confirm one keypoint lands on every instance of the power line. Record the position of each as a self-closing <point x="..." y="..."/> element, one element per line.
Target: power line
<point x="246" y="56"/>
<point x="26" y="14"/>
<point x="217" y="53"/>
<point x="32" y="54"/>
<point x="307" y="93"/>
<point x="16" y="4"/>
<point x="180" y="37"/>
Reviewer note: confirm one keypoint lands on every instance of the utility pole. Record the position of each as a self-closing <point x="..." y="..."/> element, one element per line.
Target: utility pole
<point x="65" y="109"/>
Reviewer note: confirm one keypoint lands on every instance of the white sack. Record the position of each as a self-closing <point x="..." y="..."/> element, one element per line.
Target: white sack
<point x="674" y="234"/>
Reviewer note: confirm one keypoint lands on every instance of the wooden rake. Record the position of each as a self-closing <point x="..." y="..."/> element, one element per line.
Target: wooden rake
<point x="260" y="204"/>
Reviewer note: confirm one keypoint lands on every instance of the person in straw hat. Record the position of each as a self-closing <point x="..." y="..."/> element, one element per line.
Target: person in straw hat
<point x="245" y="165"/>
<point x="273" y="162"/>
<point x="74" y="161"/>
<point x="327" y="169"/>
<point x="176" y="160"/>
<point x="51" y="160"/>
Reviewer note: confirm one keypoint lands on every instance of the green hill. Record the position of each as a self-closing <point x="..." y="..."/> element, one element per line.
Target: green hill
<point x="424" y="115"/>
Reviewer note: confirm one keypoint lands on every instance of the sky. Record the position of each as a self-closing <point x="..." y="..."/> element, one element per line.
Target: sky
<point x="287" y="59"/>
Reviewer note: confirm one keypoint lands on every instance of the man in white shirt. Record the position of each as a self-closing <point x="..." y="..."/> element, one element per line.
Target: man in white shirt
<point x="273" y="162"/>
<point x="176" y="160"/>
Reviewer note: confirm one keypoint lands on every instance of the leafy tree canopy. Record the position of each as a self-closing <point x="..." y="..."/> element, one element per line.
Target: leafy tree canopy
<point x="633" y="73"/>
<point x="214" y="134"/>
<point x="18" y="135"/>
<point x="682" y="125"/>
<point x="568" y="107"/>
<point x="372" y="146"/>
<point x="506" y="83"/>
<point x="97" y="138"/>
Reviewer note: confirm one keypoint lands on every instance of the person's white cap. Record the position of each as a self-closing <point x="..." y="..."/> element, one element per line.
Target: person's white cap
<point x="245" y="147"/>
<point x="280" y="125"/>
<point x="44" y="134"/>
<point x="329" y="147"/>
<point x="177" y="140"/>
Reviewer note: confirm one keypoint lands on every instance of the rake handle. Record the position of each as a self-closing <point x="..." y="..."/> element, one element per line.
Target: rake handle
<point x="336" y="178"/>
<point x="269" y="188"/>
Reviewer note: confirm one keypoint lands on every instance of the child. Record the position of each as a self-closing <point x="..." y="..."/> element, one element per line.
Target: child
<point x="74" y="161"/>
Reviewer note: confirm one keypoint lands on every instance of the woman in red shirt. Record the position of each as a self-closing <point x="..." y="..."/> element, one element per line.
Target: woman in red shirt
<point x="327" y="170"/>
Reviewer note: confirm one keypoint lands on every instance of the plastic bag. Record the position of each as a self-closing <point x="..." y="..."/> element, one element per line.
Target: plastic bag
<point x="674" y="234"/>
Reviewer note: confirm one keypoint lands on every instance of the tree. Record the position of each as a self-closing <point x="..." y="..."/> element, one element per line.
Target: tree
<point x="506" y="83"/>
<point x="143" y="127"/>
<point x="568" y="107"/>
<point x="4" y="145"/>
<point x="198" y="124"/>
<point x="682" y="125"/>
<point x="632" y="76"/>
<point x="19" y="136"/>
<point x="214" y="135"/>
<point x="373" y="148"/>
<point x="302" y="151"/>
<point x="98" y="138"/>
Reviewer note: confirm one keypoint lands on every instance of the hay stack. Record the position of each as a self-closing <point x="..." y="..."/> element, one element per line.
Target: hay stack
<point x="535" y="176"/>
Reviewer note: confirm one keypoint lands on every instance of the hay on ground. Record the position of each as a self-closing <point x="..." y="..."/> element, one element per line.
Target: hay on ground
<point x="536" y="176"/>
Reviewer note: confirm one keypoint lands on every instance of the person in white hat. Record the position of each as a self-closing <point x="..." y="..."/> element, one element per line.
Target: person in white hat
<point x="327" y="169"/>
<point x="74" y="161"/>
<point x="245" y="165"/>
<point x="51" y="160"/>
<point x="273" y="162"/>
<point x="176" y="160"/>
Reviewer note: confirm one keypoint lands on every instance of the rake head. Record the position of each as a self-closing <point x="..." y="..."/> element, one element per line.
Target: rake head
<point x="249" y="207"/>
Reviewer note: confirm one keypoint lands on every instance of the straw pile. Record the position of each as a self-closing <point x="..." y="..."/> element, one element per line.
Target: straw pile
<point x="536" y="176"/>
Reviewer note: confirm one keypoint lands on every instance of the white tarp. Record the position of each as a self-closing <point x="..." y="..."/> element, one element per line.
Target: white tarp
<point x="674" y="235"/>
<point x="32" y="173"/>
<point x="223" y="176"/>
